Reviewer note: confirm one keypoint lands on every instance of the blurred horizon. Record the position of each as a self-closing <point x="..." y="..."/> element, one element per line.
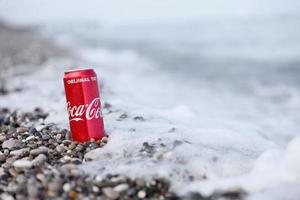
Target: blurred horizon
<point x="242" y="51"/>
<point x="134" y="11"/>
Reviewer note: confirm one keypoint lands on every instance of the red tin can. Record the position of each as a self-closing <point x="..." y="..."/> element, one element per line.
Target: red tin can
<point x="84" y="105"/>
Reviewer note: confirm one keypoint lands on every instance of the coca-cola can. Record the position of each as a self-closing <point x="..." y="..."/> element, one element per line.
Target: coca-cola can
<point x="84" y="105"/>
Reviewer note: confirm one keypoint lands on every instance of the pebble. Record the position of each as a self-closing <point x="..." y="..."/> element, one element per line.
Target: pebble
<point x="54" y="187"/>
<point x="66" y="187"/>
<point x="45" y="166"/>
<point x="9" y="144"/>
<point x="104" y="139"/>
<point x="40" y="127"/>
<point x="33" y="189"/>
<point x="110" y="193"/>
<point x="60" y="148"/>
<point x="19" y="152"/>
<point x="40" y="159"/>
<point x="70" y="166"/>
<point x="141" y="194"/>
<point x="122" y="187"/>
<point x="39" y="150"/>
<point x="6" y="196"/>
<point x="2" y="157"/>
<point x="22" y="129"/>
<point x="45" y="137"/>
<point x="29" y="138"/>
<point x="22" y="164"/>
<point x="2" y="137"/>
<point x="92" y="155"/>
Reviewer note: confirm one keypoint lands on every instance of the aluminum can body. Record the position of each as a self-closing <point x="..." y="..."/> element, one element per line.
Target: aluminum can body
<point x="84" y="105"/>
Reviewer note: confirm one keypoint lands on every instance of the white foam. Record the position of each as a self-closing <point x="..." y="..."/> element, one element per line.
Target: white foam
<point x="216" y="135"/>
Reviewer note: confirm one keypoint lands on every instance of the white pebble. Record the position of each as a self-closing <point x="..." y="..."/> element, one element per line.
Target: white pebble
<point x="30" y="138"/>
<point x="66" y="187"/>
<point x="122" y="187"/>
<point x="141" y="194"/>
<point x="22" y="164"/>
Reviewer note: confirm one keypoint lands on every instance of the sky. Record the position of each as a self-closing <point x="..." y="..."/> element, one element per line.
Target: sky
<point x="118" y="11"/>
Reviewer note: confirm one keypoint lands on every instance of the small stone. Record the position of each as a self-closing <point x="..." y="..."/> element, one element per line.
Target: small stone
<point x="66" y="187"/>
<point x="41" y="158"/>
<point x="72" y="145"/>
<point x="66" y="142"/>
<point x="141" y="194"/>
<point x="123" y="116"/>
<point x="6" y="196"/>
<point x="20" y="152"/>
<point x="2" y="157"/>
<point x="140" y="182"/>
<point x="54" y="187"/>
<point x="95" y="189"/>
<point x="10" y="144"/>
<point x="131" y="192"/>
<point x="32" y="130"/>
<point x="73" y="195"/>
<point x="29" y="138"/>
<point x="22" y="129"/>
<point x="2" y="171"/>
<point x="12" y="172"/>
<point x="45" y="137"/>
<point x="110" y="193"/>
<point x="70" y="166"/>
<point x="22" y="164"/>
<point x="58" y="136"/>
<point x="65" y="159"/>
<point x="2" y="138"/>
<point x="92" y="155"/>
<point x="40" y="127"/>
<point x="41" y="177"/>
<point x="121" y="187"/>
<point x="104" y="139"/>
<point x="60" y="149"/>
<point x="21" y="179"/>
<point x="40" y="150"/>
<point x="139" y="118"/>
<point x="32" y="189"/>
<point x="118" y="179"/>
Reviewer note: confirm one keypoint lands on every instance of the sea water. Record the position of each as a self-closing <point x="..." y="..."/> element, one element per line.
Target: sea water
<point x="217" y="85"/>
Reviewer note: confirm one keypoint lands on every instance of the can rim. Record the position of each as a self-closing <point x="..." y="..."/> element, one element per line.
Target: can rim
<point x="77" y="70"/>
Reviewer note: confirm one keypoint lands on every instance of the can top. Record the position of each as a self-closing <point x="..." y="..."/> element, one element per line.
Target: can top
<point x="79" y="72"/>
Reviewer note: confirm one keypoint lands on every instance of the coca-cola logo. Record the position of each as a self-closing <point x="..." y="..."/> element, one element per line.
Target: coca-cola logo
<point x="87" y="111"/>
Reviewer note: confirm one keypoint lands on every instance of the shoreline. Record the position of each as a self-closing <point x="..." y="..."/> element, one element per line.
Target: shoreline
<point x="24" y="133"/>
<point x="22" y="46"/>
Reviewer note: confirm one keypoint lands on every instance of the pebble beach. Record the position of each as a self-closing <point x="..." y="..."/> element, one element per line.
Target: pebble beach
<point x="200" y="99"/>
<point x="38" y="159"/>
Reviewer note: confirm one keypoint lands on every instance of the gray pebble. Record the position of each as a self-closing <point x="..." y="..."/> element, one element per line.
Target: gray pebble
<point x="39" y="160"/>
<point x="6" y="196"/>
<point x="10" y="144"/>
<point x="2" y="157"/>
<point x="40" y="150"/>
<point x="19" y="152"/>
